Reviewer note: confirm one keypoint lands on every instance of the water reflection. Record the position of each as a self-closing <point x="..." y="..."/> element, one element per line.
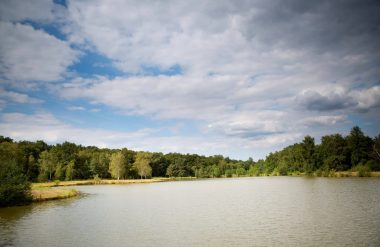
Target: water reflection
<point x="11" y="217"/>
<point x="269" y="211"/>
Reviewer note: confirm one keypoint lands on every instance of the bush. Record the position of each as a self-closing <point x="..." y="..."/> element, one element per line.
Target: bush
<point x="363" y="170"/>
<point x="318" y="173"/>
<point x="14" y="186"/>
<point x="373" y="165"/>
<point x="228" y="173"/>
<point x="97" y="179"/>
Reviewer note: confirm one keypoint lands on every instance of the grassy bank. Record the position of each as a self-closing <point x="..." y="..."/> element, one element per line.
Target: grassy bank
<point x="107" y="181"/>
<point x="44" y="193"/>
<point x="43" y="188"/>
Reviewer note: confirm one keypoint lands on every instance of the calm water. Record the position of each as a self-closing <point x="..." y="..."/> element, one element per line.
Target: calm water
<point x="271" y="211"/>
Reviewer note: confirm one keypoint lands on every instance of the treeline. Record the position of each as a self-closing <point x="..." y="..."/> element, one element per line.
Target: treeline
<point x="24" y="162"/>
<point x="355" y="152"/>
<point x="41" y="162"/>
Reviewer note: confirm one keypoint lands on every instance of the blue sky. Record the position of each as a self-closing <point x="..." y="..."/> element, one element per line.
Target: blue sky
<point x="240" y="79"/>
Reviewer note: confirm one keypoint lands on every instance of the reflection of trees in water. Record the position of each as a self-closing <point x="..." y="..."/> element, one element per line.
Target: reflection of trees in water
<point x="12" y="217"/>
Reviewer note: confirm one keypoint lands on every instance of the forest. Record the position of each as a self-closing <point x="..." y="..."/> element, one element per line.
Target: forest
<point x="23" y="162"/>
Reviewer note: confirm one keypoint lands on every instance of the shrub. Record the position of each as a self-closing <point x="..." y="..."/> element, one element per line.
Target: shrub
<point x="229" y="173"/>
<point x="373" y="165"/>
<point x="332" y="173"/>
<point x="363" y="170"/>
<point x="318" y="173"/>
<point x="97" y="179"/>
<point x="14" y="186"/>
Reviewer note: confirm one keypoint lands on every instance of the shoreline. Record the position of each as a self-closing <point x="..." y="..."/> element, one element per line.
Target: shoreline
<point x="107" y="181"/>
<point x="340" y="174"/>
<point x="41" y="194"/>
<point x="46" y="191"/>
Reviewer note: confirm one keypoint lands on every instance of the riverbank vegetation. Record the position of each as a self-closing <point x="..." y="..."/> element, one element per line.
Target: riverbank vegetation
<point x="45" y="193"/>
<point x="23" y="162"/>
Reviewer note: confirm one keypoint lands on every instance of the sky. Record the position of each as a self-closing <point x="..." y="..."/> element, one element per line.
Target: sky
<point x="237" y="78"/>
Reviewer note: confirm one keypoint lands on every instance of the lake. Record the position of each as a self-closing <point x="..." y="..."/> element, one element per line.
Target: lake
<point x="263" y="211"/>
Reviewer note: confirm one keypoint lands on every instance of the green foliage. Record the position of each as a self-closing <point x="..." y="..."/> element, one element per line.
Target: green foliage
<point x="229" y="173"/>
<point x="359" y="145"/>
<point x="308" y="148"/>
<point x="47" y="163"/>
<point x="97" y="179"/>
<point x="216" y="173"/>
<point x="142" y="164"/>
<point x="14" y="186"/>
<point x="68" y="161"/>
<point x="240" y="171"/>
<point x="69" y="171"/>
<point x="373" y="165"/>
<point x="117" y="165"/>
<point x="363" y="170"/>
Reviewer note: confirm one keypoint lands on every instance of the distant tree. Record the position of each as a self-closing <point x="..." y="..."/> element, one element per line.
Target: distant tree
<point x="5" y="139"/>
<point x="159" y="164"/>
<point x="359" y="145"/>
<point x="170" y="171"/>
<point x="99" y="164"/>
<point x="117" y="165"/>
<point x="69" y="174"/>
<point x="47" y="165"/>
<point x="240" y="171"/>
<point x="142" y="164"/>
<point x="216" y="173"/>
<point x="14" y="186"/>
<point x="177" y="169"/>
<point x="334" y="152"/>
<point x="308" y="148"/>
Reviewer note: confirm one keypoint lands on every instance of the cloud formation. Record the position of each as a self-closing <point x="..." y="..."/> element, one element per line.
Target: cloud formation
<point x="28" y="54"/>
<point x="249" y="73"/>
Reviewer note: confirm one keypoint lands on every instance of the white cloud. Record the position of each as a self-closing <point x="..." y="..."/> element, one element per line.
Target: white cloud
<point x="45" y="126"/>
<point x="18" y="97"/>
<point x="27" y="54"/>
<point x="324" y="120"/>
<point x="368" y="98"/>
<point x="76" y="108"/>
<point x="253" y="74"/>
<point x="19" y="10"/>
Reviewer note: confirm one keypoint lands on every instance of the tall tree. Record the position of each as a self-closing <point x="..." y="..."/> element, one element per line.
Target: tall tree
<point x="117" y="165"/>
<point x="14" y="187"/>
<point x="47" y="163"/>
<point x="308" y="148"/>
<point x="359" y="145"/>
<point x="142" y="164"/>
<point x="334" y="152"/>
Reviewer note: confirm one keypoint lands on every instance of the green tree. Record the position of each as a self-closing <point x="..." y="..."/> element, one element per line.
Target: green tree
<point x="359" y="145"/>
<point x="70" y="170"/>
<point x="216" y="173"/>
<point x="308" y="148"/>
<point x="334" y="152"/>
<point x="117" y="165"/>
<point x="142" y="164"/>
<point x="47" y="165"/>
<point x="14" y="186"/>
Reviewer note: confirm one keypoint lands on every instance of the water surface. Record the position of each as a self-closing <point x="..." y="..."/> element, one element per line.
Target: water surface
<point x="265" y="211"/>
